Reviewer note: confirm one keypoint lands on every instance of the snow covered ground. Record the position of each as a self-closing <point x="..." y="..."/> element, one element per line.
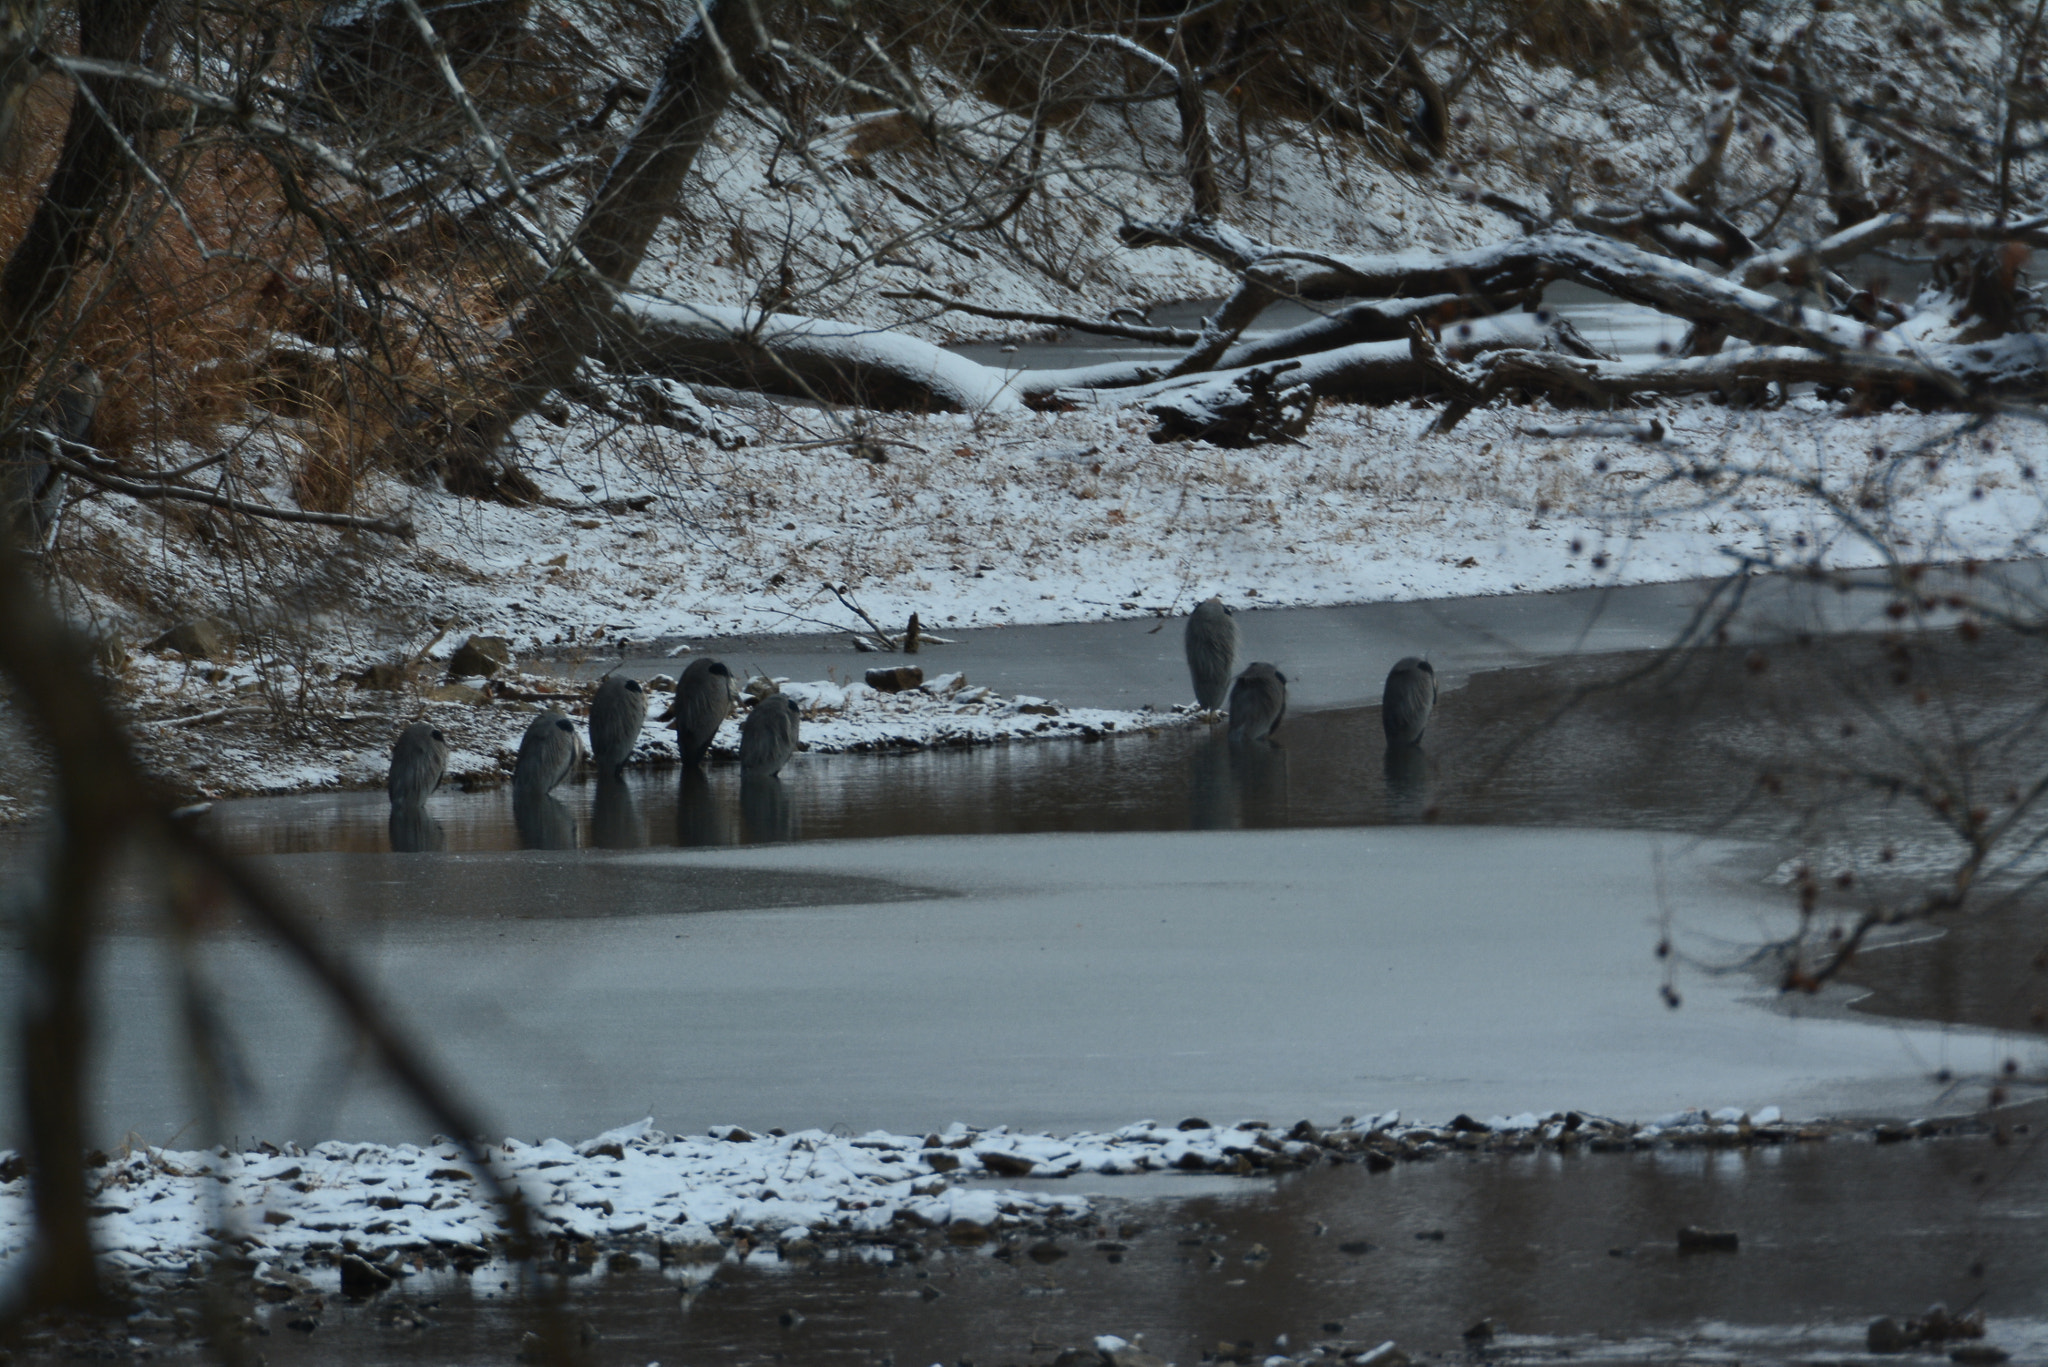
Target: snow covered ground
<point x="1040" y="518"/>
<point x="691" y="1199"/>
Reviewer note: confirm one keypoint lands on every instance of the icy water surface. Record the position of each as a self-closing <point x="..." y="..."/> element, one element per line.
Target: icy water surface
<point x="1572" y="1258"/>
<point x="1742" y="742"/>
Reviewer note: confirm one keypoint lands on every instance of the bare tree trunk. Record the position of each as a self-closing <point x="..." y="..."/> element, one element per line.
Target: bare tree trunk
<point x="92" y="170"/>
<point x="1197" y="147"/>
<point x="560" y="327"/>
<point x="1848" y="184"/>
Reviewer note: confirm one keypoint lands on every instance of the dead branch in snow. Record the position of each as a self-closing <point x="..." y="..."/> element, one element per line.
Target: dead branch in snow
<point x="1103" y="327"/>
<point x="165" y="488"/>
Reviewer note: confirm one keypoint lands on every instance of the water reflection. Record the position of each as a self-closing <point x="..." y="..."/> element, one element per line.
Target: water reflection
<point x="1212" y="797"/>
<point x="544" y="822"/>
<point x="413" y="831"/>
<point x="616" y="822"/>
<point x="1726" y="748"/>
<point x="703" y="817"/>
<point x="1406" y="768"/>
<point x="767" y="813"/>
<point x="1258" y="770"/>
<point x="1573" y="1256"/>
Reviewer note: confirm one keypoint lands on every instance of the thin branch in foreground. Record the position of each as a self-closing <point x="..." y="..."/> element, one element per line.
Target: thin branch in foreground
<point x="383" y="526"/>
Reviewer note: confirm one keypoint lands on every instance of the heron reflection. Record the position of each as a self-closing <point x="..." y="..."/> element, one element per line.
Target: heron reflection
<point x="616" y="822"/>
<point x="701" y="819"/>
<point x="767" y="811"/>
<point x="415" y="832"/>
<point x="543" y="822"/>
<point x="1236" y="785"/>
<point x="1407" y="773"/>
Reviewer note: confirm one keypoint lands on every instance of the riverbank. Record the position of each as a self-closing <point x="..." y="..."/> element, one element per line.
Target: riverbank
<point x="1375" y="1245"/>
<point x="991" y="520"/>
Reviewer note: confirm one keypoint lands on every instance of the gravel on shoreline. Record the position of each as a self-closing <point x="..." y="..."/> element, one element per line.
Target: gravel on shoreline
<point x="404" y="1209"/>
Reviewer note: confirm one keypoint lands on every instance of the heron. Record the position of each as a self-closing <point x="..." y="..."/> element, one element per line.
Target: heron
<point x="768" y="735"/>
<point x="1258" y="702"/>
<point x="547" y="754"/>
<point x="1211" y="641"/>
<point x="419" y="760"/>
<point x="703" y="700"/>
<point x="1409" y="699"/>
<point x="616" y="716"/>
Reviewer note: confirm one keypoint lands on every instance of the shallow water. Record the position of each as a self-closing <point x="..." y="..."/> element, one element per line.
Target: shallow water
<point x="1104" y="945"/>
<point x="1571" y="1257"/>
<point x="576" y="986"/>
<point x="1741" y="743"/>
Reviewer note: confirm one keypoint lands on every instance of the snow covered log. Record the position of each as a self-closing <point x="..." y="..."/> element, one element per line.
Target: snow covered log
<point x="1519" y="265"/>
<point x="810" y="358"/>
<point x="2012" y="368"/>
<point x="1255" y="406"/>
<point x="1369" y="372"/>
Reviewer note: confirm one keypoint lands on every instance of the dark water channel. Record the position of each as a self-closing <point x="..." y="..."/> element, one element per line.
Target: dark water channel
<point x="1570" y="1257"/>
<point x="1840" y="751"/>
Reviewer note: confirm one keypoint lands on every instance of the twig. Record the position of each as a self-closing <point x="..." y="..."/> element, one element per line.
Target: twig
<point x="385" y="526"/>
<point x="196" y="718"/>
<point x="1105" y="327"/>
<point x="856" y="609"/>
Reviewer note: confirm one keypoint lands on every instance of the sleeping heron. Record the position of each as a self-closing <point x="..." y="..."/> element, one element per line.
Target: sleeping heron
<point x="1409" y="699"/>
<point x="1258" y="702"/>
<point x="616" y="716"/>
<point x="703" y="700"/>
<point x="547" y="754"/>
<point x="768" y="736"/>
<point x="1211" y="641"/>
<point x="418" y="762"/>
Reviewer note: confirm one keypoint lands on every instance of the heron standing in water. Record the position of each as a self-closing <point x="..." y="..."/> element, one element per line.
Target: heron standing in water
<point x="419" y="760"/>
<point x="768" y="736"/>
<point x="547" y="754"/>
<point x="1408" y="701"/>
<point x="1211" y="643"/>
<point x="703" y="701"/>
<point x="1258" y="702"/>
<point x="616" y="716"/>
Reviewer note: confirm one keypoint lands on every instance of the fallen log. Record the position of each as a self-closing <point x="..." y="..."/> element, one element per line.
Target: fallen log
<point x="1254" y="407"/>
<point x="2011" y="369"/>
<point x="1523" y="264"/>
<point x="808" y="358"/>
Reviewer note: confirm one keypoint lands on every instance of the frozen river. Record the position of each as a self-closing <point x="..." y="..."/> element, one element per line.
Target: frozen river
<point x="1069" y="935"/>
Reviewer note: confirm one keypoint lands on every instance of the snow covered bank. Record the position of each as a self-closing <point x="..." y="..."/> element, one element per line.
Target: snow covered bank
<point x="691" y="1199"/>
<point x="995" y="519"/>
